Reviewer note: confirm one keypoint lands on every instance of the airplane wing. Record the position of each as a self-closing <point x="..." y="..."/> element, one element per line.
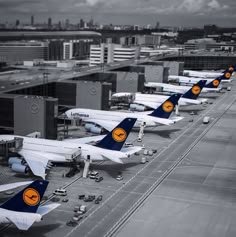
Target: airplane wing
<point x="36" y="161"/>
<point x="108" y="125"/>
<point x="23" y="221"/>
<point x="152" y="105"/>
<point x="131" y="150"/>
<point x="176" y="118"/>
<point x="113" y="155"/>
<point x="86" y="140"/>
<point x="43" y="210"/>
<point x="6" y="187"/>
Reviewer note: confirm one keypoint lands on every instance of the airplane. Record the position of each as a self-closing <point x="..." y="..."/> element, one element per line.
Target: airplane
<point x="36" y="153"/>
<point x="212" y="75"/>
<point x="151" y="101"/>
<point x="225" y="78"/>
<point x="213" y="86"/>
<point x="24" y="208"/>
<point x="97" y="121"/>
<point x="6" y="187"/>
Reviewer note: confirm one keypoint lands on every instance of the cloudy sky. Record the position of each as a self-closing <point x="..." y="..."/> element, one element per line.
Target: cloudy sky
<point x="142" y="12"/>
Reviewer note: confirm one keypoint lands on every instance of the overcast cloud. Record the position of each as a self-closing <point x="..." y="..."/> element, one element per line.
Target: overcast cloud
<point x="167" y="12"/>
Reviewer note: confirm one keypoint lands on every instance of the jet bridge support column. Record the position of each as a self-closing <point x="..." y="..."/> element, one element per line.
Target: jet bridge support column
<point x="177" y="109"/>
<point x="87" y="162"/>
<point x="141" y="132"/>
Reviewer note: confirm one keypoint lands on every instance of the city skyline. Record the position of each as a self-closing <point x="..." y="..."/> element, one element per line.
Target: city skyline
<point x="169" y="12"/>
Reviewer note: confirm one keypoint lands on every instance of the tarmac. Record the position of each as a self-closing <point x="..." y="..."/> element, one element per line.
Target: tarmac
<point x="187" y="188"/>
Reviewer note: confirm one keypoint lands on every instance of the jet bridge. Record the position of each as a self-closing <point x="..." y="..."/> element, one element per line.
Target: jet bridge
<point x="74" y="155"/>
<point x="9" y="146"/>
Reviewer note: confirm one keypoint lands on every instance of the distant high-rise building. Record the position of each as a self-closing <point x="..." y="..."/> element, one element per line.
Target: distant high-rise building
<point x="90" y="23"/>
<point x="157" y="25"/>
<point x="17" y="23"/>
<point x="67" y="23"/>
<point x="49" y="23"/>
<point x="136" y="27"/>
<point x="210" y="29"/>
<point x="81" y="23"/>
<point x="32" y="20"/>
<point x="59" y="25"/>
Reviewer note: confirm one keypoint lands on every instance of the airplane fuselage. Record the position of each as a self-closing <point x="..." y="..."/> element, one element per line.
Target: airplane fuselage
<point x="159" y="99"/>
<point x="90" y="114"/>
<point x="63" y="148"/>
<point x="193" y="80"/>
<point x="177" y="88"/>
<point x="212" y="75"/>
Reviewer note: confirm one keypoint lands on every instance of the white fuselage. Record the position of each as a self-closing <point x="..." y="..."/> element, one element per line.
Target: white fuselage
<point x="192" y="80"/>
<point x="177" y="89"/>
<point x="212" y="75"/>
<point x="63" y="148"/>
<point x="158" y="99"/>
<point x="90" y="114"/>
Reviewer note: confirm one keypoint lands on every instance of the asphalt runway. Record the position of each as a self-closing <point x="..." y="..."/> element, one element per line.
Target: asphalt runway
<point x="198" y="197"/>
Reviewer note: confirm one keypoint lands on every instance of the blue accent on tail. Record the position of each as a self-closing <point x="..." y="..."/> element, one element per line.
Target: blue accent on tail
<point x="108" y="141"/>
<point x="223" y="77"/>
<point x="17" y="202"/>
<point x="189" y="94"/>
<point x="233" y="66"/>
<point x="160" y="113"/>
<point x="211" y="84"/>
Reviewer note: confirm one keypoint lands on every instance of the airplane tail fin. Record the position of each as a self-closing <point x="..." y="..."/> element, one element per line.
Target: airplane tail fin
<point x="28" y="199"/>
<point x="214" y="83"/>
<point x="166" y="108"/>
<point x="227" y="74"/>
<point x="115" y="139"/>
<point x="231" y="69"/>
<point x="195" y="91"/>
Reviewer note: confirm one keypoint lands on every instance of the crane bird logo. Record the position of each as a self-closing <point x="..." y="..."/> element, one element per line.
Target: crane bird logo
<point x="119" y="134"/>
<point x="196" y="90"/>
<point x="31" y="197"/>
<point x="216" y="83"/>
<point x="227" y="75"/>
<point x="168" y="106"/>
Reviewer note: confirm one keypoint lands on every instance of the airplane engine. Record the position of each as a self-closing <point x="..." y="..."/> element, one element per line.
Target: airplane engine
<point x="93" y="129"/>
<point x="96" y="130"/>
<point x="18" y="168"/>
<point x="88" y="126"/>
<point x="137" y="107"/>
<point x="14" y="160"/>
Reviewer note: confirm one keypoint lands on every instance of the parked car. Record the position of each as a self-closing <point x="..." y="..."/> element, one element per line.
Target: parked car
<point x="98" y="179"/>
<point x="60" y="192"/>
<point x="99" y="198"/>
<point x="81" y="197"/>
<point x="93" y="174"/>
<point x="119" y="177"/>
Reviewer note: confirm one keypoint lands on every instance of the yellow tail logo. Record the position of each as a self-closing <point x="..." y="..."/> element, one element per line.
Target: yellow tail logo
<point x="227" y="75"/>
<point x="168" y="106"/>
<point x="119" y="134"/>
<point x="215" y="83"/>
<point x="31" y="197"/>
<point x="196" y="90"/>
